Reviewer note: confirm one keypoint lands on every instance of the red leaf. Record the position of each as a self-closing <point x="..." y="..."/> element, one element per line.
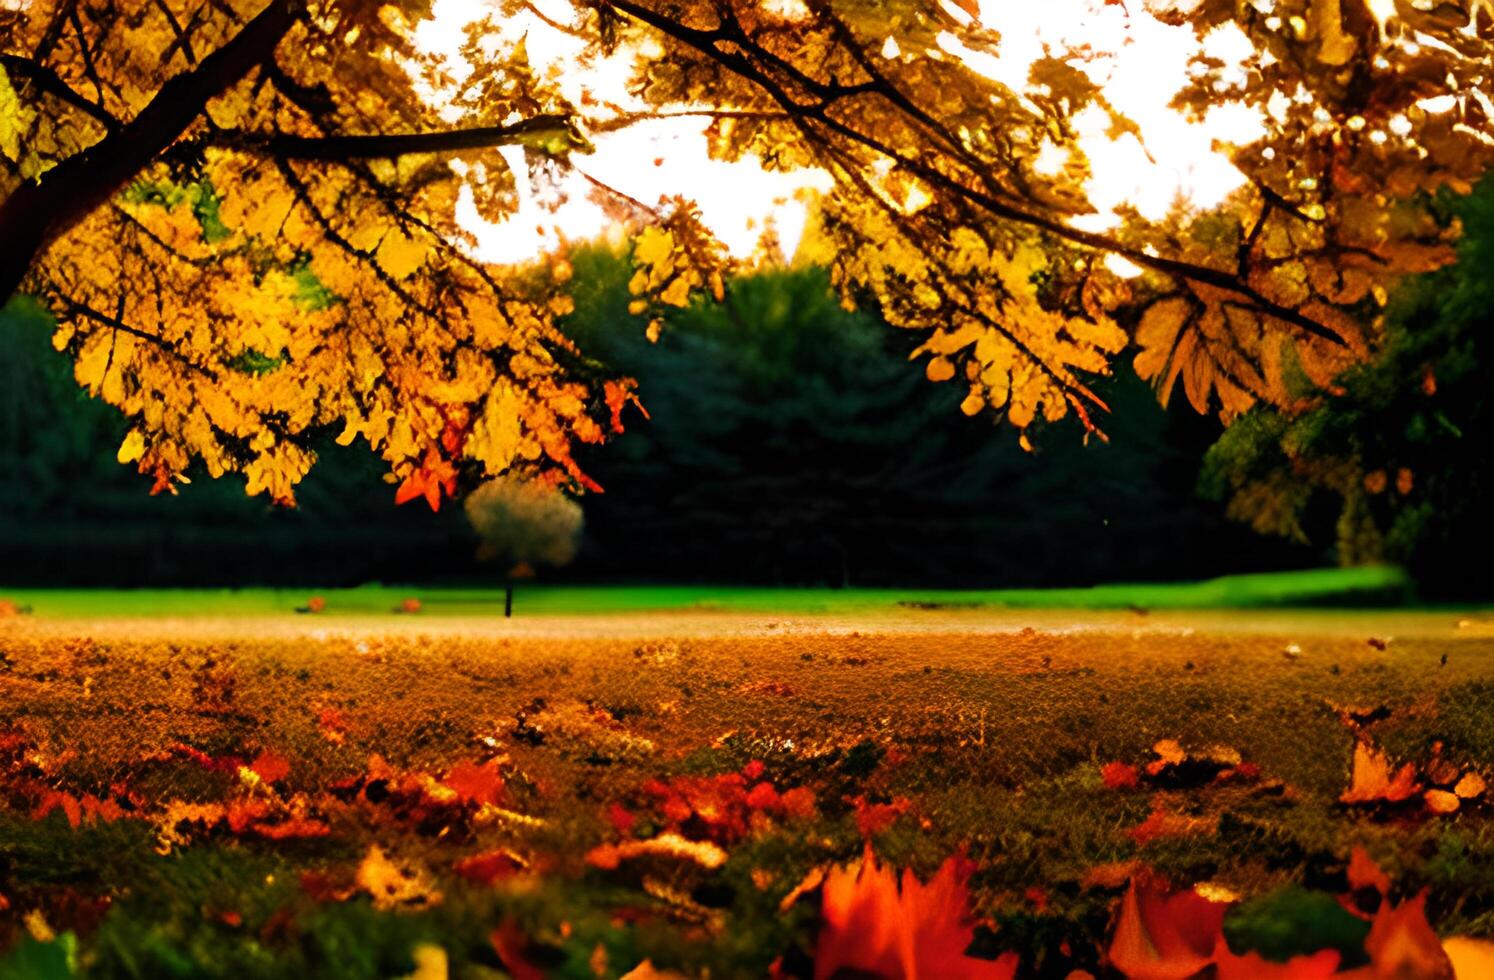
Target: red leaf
<point x="296" y="828"/>
<point x="484" y="869"/>
<point x="512" y="947"/>
<point x="1253" y="966"/>
<point x="1120" y="775"/>
<point x="474" y="783"/>
<point x="54" y="799"/>
<point x="1365" y="873"/>
<point x="873" y="818"/>
<point x="621" y="819"/>
<point x="271" y="766"/>
<point x="871" y="926"/>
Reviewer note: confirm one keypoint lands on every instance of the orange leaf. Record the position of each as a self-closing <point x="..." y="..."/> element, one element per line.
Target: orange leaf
<point x="871" y="926"/>
<point x="484" y="869"/>
<point x="1365" y="873"/>
<point x="1370" y="780"/>
<point x="475" y="783"/>
<point x="1401" y="943"/>
<point x="271" y="766"/>
<point x="1165" y="937"/>
<point x="1471" y="958"/>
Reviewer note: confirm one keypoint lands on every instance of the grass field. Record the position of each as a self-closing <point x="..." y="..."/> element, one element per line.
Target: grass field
<point x="265" y="794"/>
<point x="1375" y="586"/>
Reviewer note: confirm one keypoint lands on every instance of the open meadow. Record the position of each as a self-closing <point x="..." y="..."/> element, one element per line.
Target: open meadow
<point x="378" y="794"/>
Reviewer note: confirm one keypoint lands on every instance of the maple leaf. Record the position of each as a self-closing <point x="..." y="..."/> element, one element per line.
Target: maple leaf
<point x="1371" y="780"/>
<point x="1162" y="936"/>
<point x="872" y="924"/>
<point x="270" y="766"/>
<point x="428" y="480"/>
<point x="1401" y="943"/>
<point x="1252" y="966"/>
<point x="479" y="783"/>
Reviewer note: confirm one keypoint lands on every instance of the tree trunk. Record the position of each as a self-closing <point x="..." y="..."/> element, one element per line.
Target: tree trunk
<point x="508" y="599"/>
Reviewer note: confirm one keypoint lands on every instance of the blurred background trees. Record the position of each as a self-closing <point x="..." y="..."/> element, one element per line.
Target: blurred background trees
<point x="523" y="523"/>
<point x="791" y="443"/>
<point x="1395" y="463"/>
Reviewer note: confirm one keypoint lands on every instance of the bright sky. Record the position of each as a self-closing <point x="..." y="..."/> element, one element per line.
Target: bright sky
<point x="1139" y="61"/>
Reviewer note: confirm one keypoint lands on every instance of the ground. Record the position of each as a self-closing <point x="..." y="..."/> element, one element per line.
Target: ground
<point x="263" y="793"/>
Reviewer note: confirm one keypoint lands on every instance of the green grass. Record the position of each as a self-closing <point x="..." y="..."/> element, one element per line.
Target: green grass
<point x="1372" y="586"/>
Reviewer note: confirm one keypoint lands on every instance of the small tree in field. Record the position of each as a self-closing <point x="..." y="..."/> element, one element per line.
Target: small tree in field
<point x="523" y="524"/>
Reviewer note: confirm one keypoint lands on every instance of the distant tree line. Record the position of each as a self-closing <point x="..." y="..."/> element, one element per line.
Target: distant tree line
<point x="790" y="443"/>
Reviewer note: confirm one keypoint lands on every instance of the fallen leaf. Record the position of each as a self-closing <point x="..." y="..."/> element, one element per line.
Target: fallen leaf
<point x="1470" y="787"/>
<point x="270" y="766"/>
<point x="1365" y="873"/>
<point x="1254" y="966"/>
<point x="1441" y="802"/>
<point x="1370" y="780"/>
<point x="669" y="844"/>
<point x="476" y="783"/>
<point x="391" y="886"/>
<point x="873" y="818"/>
<point x="1162" y="823"/>
<point x="486" y="868"/>
<point x="871" y="926"/>
<point x="1119" y="775"/>
<point x="1472" y="959"/>
<point x="1401" y="943"/>
<point x="1162" y="936"/>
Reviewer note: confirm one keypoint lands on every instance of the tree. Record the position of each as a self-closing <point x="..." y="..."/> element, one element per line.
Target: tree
<point x="789" y="444"/>
<point x="523" y="523"/>
<point x="1392" y="455"/>
<point x="243" y="212"/>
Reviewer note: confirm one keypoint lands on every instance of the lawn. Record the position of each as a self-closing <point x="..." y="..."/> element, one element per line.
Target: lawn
<point x="1370" y="586"/>
<point x="281" y="795"/>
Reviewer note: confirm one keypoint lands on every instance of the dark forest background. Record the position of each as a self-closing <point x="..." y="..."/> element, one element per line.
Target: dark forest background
<point x="793" y="443"/>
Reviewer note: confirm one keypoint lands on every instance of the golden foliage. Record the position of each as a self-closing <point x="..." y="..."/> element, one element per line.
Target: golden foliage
<point x="244" y="214"/>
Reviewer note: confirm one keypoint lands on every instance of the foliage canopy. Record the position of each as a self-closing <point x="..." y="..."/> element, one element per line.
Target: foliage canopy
<point x="244" y="213"/>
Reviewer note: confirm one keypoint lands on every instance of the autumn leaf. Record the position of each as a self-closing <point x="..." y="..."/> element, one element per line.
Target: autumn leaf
<point x="1162" y="936"/>
<point x="871" y="923"/>
<point x="1470" y="958"/>
<point x="1371" y="780"/>
<point x="479" y="783"/>
<point x="1401" y="943"/>
<point x="270" y="766"/>
<point x="392" y="886"/>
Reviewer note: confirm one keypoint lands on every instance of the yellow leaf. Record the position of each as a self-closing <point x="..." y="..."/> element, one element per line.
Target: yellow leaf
<point x="400" y="255"/>
<point x="132" y="448"/>
<point x="678" y="292"/>
<point x="940" y="369"/>
<point x="655" y="246"/>
<point x="1157" y="335"/>
<point x="15" y="119"/>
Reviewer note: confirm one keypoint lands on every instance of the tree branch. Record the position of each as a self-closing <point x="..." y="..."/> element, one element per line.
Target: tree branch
<point x="737" y="59"/>
<point x="36" y="213"/>
<point x="340" y="148"/>
<point x="50" y="83"/>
